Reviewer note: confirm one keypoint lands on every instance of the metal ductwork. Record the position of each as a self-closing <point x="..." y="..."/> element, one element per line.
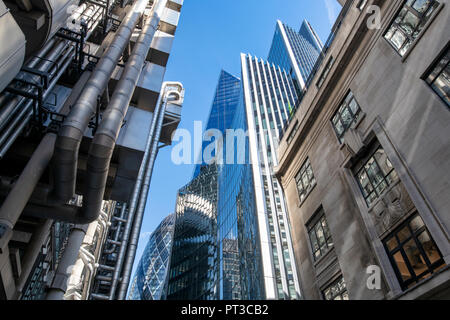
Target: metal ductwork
<point x="12" y="50"/>
<point x="40" y="19"/>
<point x="172" y="93"/>
<point x="12" y="124"/>
<point x="102" y="146"/>
<point x="72" y="131"/>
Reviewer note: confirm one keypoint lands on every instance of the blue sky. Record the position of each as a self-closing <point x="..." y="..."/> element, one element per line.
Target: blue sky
<point x="210" y="36"/>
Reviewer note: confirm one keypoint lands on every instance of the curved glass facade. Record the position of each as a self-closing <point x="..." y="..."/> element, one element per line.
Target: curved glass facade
<point x="194" y="264"/>
<point x="151" y="275"/>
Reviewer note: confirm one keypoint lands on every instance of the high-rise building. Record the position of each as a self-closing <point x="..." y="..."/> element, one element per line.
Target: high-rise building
<point x="194" y="266"/>
<point x="240" y="261"/>
<point x="269" y="94"/>
<point x="295" y="52"/>
<point x="365" y="161"/>
<point x="225" y="103"/>
<point x="83" y="90"/>
<point x="151" y="278"/>
<point x="216" y="253"/>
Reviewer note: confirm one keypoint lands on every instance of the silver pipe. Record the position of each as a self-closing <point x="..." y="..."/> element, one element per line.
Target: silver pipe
<point x="17" y="199"/>
<point x="135" y="197"/>
<point x="72" y="131"/>
<point x="22" y="124"/>
<point x="104" y="141"/>
<point x="52" y="46"/>
<point x="18" y="117"/>
<point x="14" y="104"/>
<point x="117" y="231"/>
<point x="59" y="284"/>
<point x="131" y="249"/>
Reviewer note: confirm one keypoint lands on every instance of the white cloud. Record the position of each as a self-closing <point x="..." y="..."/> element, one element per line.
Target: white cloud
<point x="332" y="9"/>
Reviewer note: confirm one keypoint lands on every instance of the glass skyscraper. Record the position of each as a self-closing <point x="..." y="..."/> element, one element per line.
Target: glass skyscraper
<point x="295" y="52"/>
<point x="241" y="275"/>
<point x="151" y="274"/>
<point x="269" y="94"/>
<point x="216" y="252"/>
<point x="194" y="261"/>
<point x="226" y="100"/>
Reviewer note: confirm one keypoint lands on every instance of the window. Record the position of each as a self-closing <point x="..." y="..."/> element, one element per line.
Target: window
<point x="325" y="72"/>
<point x="412" y="252"/>
<point x="293" y="132"/>
<point x="409" y="22"/>
<point x="305" y="180"/>
<point x="375" y="174"/>
<point x="361" y="4"/>
<point x="345" y="116"/>
<point x="336" y="291"/>
<point x="319" y="235"/>
<point x="439" y="76"/>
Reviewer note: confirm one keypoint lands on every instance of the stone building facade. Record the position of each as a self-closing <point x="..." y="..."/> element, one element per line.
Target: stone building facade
<point x="365" y="161"/>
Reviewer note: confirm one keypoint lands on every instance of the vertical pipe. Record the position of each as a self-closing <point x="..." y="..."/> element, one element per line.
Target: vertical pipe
<point x="59" y="284"/>
<point x="131" y="250"/>
<point x="135" y="198"/>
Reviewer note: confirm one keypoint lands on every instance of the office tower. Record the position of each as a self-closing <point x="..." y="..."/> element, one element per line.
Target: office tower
<point x="226" y="100"/>
<point x="365" y="160"/>
<point x="151" y="278"/>
<point x="241" y="275"/>
<point x="295" y="52"/>
<point x="216" y="253"/>
<point x="269" y="94"/>
<point x="83" y="91"/>
<point x="194" y="260"/>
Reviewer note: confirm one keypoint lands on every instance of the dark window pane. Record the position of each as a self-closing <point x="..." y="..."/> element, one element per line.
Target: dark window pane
<point x="429" y="247"/>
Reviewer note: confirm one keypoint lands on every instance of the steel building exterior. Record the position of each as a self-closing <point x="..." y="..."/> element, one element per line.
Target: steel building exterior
<point x="83" y="111"/>
<point x="150" y="279"/>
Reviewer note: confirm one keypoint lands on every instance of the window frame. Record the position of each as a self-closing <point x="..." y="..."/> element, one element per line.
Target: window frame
<point x="424" y="21"/>
<point x="312" y="181"/>
<point x="340" y="293"/>
<point x="360" y="166"/>
<point x="325" y="72"/>
<point x="293" y="132"/>
<point x="413" y="235"/>
<point x="317" y="219"/>
<point x="430" y="70"/>
<point x="355" y="117"/>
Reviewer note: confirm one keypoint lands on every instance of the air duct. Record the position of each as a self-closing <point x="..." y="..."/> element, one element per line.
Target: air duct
<point x="102" y="146"/>
<point x="12" y="51"/>
<point x="173" y="93"/>
<point x="73" y="128"/>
